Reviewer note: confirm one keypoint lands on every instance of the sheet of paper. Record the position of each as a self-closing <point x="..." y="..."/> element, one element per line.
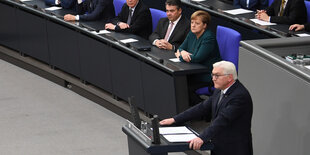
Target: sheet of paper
<point x="53" y="8"/>
<point x="198" y="0"/>
<point x="238" y="11"/>
<point x="129" y="40"/>
<point x="174" y="130"/>
<point x="308" y="66"/>
<point x="175" y="60"/>
<point x="180" y="137"/>
<point x="260" y="22"/>
<point x="303" y="35"/>
<point x="25" y="0"/>
<point x="101" y="32"/>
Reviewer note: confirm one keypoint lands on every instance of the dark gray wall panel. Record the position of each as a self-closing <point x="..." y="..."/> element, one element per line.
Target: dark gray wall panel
<point x="8" y="30"/>
<point x="95" y="62"/>
<point x="126" y="77"/>
<point x="159" y="94"/>
<point x="32" y="35"/>
<point x="63" y="47"/>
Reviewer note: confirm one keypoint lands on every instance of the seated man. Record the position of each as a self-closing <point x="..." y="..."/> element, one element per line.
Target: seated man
<point x="284" y="12"/>
<point x="135" y="18"/>
<point x="251" y="4"/>
<point x="93" y="10"/>
<point x="66" y="4"/>
<point x="298" y="27"/>
<point x="230" y="110"/>
<point x="167" y="35"/>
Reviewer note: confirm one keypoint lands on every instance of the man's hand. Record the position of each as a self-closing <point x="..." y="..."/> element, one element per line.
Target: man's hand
<point x="163" y="44"/>
<point x="109" y="26"/>
<point x="297" y="27"/>
<point x="123" y="25"/>
<point x="195" y="143"/>
<point x="262" y="15"/>
<point x="167" y="121"/>
<point x="69" y="17"/>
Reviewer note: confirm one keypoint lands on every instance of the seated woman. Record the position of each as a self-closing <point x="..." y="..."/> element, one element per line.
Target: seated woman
<point x="200" y="46"/>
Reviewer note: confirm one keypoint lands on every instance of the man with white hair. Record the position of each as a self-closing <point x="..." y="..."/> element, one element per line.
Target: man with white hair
<point x="230" y="110"/>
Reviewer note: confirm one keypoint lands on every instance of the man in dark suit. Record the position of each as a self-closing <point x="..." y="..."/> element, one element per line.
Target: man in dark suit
<point x="90" y="10"/>
<point x="171" y="32"/>
<point x="135" y="17"/>
<point x="66" y="4"/>
<point x="230" y="109"/>
<point x="251" y="4"/>
<point x="299" y="27"/>
<point x="284" y="12"/>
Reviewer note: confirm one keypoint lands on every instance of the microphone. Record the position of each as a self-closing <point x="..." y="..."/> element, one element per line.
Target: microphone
<point x="155" y="126"/>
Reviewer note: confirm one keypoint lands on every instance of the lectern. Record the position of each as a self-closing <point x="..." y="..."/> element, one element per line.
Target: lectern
<point x="140" y="143"/>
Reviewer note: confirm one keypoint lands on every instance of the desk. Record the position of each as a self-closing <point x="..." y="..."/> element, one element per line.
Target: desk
<point x="241" y="23"/>
<point x="140" y="143"/>
<point x="97" y="59"/>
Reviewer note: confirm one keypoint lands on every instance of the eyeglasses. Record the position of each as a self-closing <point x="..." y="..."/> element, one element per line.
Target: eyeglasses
<point x="216" y="76"/>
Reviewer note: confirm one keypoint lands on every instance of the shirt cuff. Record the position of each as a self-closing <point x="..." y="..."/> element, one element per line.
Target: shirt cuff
<point x="154" y="42"/>
<point x="77" y="17"/>
<point x="57" y="2"/>
<point x="79" y="1"/>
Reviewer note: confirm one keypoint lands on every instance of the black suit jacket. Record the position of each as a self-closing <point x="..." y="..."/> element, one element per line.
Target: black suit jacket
<point x="230" y="128"/>
<point x="141" y="20"/>
<point x="295" y="12"/>
<point x="253" y="4"/>
<point x="177" y="36"/>
<point x="307" y="27"/>
<point x="96" y="10"/>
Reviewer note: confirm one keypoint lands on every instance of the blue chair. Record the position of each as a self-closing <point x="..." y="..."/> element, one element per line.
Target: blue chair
<point x="228" y="41"/>
<point x="307" y="3"/>
<point x="270" y="2"/>
<point x="118" y="4"/>
<point x="156" y="15"/>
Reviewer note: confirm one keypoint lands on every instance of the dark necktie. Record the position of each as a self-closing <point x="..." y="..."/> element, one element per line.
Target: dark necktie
<point x="129" y="16"/>
<point x="219" y="101"/>
<point x="282" y="8"/>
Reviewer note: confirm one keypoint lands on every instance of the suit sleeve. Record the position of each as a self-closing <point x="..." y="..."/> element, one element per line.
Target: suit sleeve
<point x="236" y="107"/>
<point x="237" y="4"/>
<point x="208" y="45"/>
<point x="184" y="46"/>
<point x="202" y="109"/>
<point x="307" y="27"/>
<point x="143" y="18"/>
<point x="156" y="34"/>
<point x="50" y="2"/>
<point x="263" y="4"/>
<point x="96" y="13"/>
<point x="67" y="3"/>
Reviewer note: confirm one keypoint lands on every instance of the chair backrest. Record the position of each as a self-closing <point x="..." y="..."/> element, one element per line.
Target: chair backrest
<point x="307" y="3"/>
<point x="118" y="4"/>
<point x="156" y="15"/>
<point x="229" y="42"/>
<point x="270" y="2"/>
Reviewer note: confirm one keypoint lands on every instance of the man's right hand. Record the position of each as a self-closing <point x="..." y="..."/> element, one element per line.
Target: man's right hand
<point x="167" y="121"/>
<point x="297" y="27"/>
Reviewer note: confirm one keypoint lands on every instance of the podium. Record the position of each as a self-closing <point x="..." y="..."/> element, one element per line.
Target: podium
<point x="140" y="143"/>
